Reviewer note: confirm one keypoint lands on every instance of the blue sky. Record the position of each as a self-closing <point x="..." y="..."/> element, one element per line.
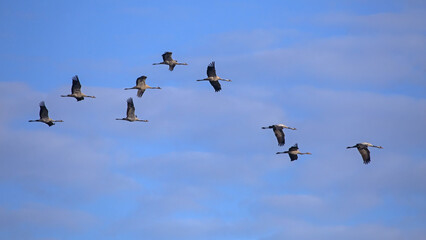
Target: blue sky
<point x="341" y="72"/>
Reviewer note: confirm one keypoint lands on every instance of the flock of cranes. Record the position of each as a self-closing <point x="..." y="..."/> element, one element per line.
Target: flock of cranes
<point x="294" y="150"/>
<point x="212" y="77"/>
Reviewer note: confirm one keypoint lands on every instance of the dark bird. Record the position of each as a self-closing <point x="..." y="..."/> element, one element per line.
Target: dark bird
<point x="130" y="114"/>
<point x="363" y="150"/>
<point x="213" y="78"/>
<point x="44" y="116"/>
<point x="168" y="60"/>
<point x="76" y="90"/>
<point x="141" y="86"/>
<point x="293" y="151"/>
<point x="279" y="133"/>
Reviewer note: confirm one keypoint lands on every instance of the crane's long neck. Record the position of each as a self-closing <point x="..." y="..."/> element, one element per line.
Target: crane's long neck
<point x="304" y="153"/>
<point x="223" y="79"/>
<point x="38" y="120"/>
<point x="69" y="95"/>
<point x="351" y="147"/>
<point x="291" y="128"/>
<point x="158" y="63"/>
<point x="204" y="79"/>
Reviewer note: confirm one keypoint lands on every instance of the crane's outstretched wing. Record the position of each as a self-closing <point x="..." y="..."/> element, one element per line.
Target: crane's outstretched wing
<point x="216" y="85"/>
<point x="365" y="153"/>
<point x="140" y="92"/>
<point x="167" y="56"/>
<point x="76" y="86"/>
<point x="140" y="81"/>
<point x="279" y="134"/>
<point x="293" y="157"/>
<point x="211" y="70"/>
<point x="43" y="111"/>
<point x="130" y="108"/>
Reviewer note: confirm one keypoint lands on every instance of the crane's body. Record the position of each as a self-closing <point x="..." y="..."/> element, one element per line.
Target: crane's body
<point x="141" y="86"/>
<point x="363" y="150"/>
<point x="213" y="78"/>
<point x="279" y="133"/>
<point x="293" y="152"/>
<point x="130" y="114"/>
<point x="44" y="116"/>
<point x="168" y="60"/>
<point x="76" y="90"/>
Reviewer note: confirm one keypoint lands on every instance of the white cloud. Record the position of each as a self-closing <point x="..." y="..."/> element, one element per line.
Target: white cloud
<point x="397" y="22"/>
<point x="32" y="220"/>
